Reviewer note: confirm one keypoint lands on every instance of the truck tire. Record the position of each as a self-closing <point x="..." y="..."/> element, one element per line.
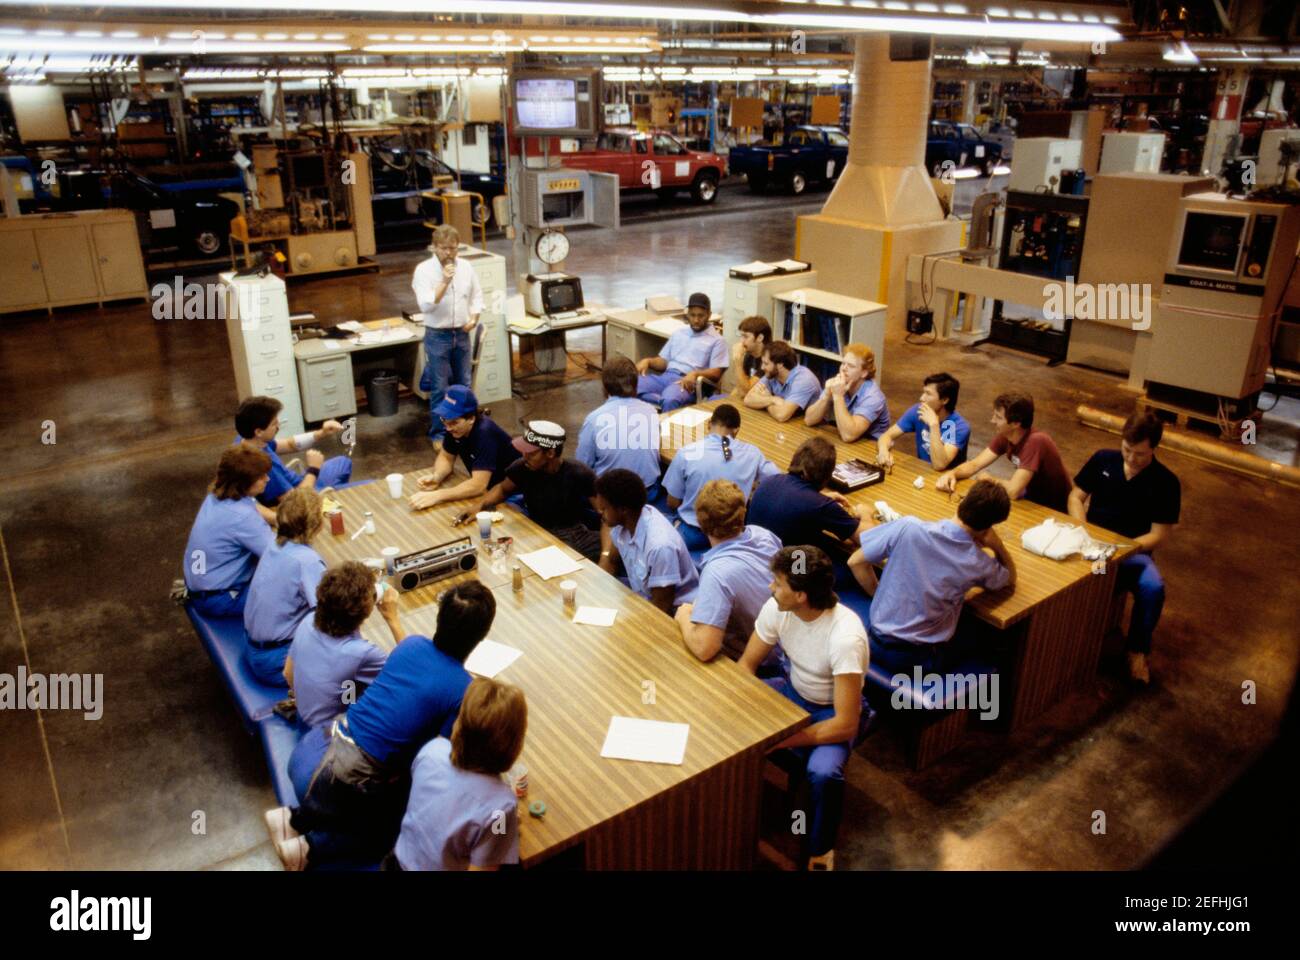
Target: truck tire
<point x="207" y="240"/>
<point x="757" y="184"/>
<point x="704" y="188"/>
<point x="798" y="183"/>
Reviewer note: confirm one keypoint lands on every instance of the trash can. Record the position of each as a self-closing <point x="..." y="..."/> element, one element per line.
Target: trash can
<point x="381" y="393"/>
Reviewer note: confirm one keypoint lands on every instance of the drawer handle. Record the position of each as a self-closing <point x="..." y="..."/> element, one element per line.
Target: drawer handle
<point x="329" y="389"/>
<point x="270" y="353"/>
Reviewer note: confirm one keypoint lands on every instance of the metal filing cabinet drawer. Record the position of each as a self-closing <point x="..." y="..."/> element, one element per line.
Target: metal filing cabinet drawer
<point x="327" y="388"/>
<point x="619" y="339"/>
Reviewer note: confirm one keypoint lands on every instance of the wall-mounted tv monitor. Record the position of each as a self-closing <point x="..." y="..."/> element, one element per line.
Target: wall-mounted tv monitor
<point x="554" y="103"/>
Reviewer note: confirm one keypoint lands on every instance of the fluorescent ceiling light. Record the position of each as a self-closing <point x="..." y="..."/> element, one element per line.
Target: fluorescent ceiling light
<point x="1094" y="30"/>
<point x="159" y="45"/>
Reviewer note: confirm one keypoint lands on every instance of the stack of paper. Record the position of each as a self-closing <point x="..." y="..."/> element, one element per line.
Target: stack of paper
<point x="791" y="266"/>
<point x="526" y="323"/>
<point x="755" y="268"/>
<point x="688" y="417"/>
<point x="549" y="563"/>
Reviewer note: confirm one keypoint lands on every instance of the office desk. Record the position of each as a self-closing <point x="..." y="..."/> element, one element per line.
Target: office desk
<point x="1057" y="614"/>
<point x="594" y="317"/>
<point x="328" y="374"/>
<point x="703" y="814"/>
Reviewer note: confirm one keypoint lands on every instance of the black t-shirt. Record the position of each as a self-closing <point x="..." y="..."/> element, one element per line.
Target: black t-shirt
<point x="557" y="500"/>
<point x="752" y="365"/>
<point x="485" y="447"/>
<point x="1128" y="507"/>
<point x="788" y="506"/>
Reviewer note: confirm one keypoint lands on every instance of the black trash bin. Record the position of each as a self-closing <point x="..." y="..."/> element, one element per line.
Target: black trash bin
<point x="381" y="393"/>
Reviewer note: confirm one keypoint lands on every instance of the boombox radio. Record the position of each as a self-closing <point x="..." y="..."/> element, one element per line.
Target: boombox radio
<point x="415" y="570"/>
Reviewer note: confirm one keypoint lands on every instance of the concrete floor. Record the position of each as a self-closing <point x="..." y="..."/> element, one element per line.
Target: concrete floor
<point x="93" y="525"/>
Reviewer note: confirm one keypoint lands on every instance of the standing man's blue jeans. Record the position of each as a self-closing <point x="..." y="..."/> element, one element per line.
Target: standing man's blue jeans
<point x="663" y="388"/>
<point x="824" y="765"/>
<point x="447" y="362"/>
<point x="1138" y="575"/>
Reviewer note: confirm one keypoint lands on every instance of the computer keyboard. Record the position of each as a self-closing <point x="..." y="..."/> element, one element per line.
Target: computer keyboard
<point x="567" y="315"/>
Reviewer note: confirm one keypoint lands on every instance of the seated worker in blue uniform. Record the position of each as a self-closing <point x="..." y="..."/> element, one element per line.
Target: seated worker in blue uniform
<point x="825" y="647"/>
<point x="559" y="494"/>
<point x="484" y="448"/>
<point x="694" y="351"/>
<point x="718" y="456"/>
<point x="658" y="565"/>
<point x="283" y="591"/>
<point x="623" y="431"/>
<point x="852" y="400"/>
<point x="330" y="663"/>
<point x="258" y="422"/>
<point x="934" y="416"/>
<point x="793" y="506"/>
<point x="786" y="387"/>
<point x="917" y="602"/>
<point x="747" y="354"/>
<point x="462" y="815"/>
<point x="1131" y="492"/>
<point x="229" y="535"/>
<point x="353" y="807"/>
<point x="734" y="575"/>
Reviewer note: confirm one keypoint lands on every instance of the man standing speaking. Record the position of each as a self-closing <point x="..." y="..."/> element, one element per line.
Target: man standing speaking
<point x="451" y="300"/>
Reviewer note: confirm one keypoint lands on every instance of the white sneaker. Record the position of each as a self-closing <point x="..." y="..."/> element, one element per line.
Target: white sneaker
<point x="825" y="862"/>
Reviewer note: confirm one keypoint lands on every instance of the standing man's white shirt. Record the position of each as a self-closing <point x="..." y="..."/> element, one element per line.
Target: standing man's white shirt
<point x="834" y="643"/>
<point x="462" y="301"/>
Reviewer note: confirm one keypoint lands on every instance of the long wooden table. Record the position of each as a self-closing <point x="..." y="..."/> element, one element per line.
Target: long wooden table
<point x="1057" y="614"/>
<point x="703" y="814"/>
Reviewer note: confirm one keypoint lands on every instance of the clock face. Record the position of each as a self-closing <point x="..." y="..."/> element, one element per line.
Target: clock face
<point x="552" y="248"/>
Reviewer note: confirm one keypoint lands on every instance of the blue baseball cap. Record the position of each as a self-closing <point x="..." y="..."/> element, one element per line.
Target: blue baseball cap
<point x="458" y="402"/>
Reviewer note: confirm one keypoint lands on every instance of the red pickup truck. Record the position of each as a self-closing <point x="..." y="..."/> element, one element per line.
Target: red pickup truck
<point x="652" y="161"/>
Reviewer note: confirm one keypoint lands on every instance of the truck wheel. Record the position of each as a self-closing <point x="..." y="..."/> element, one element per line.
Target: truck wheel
<point x="798" y="183"/>
<point x="756" y="184"/>
<point x="207" y="241"/>
<point x="704" y="189"/>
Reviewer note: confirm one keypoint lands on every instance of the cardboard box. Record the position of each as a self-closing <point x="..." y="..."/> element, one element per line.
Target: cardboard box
<point x="270" y="194"/>
<point x="265" y="157"/>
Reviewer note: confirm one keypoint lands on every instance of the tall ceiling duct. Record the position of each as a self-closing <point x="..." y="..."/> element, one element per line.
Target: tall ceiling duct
<point x="885" y="182"/>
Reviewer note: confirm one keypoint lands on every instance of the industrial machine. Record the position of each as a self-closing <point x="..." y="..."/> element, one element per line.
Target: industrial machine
<point x="1229" y="263"/>
<point x="1132" y="152"/>
<point x="1040" y="162"/>
<point x="1279" y="153"/>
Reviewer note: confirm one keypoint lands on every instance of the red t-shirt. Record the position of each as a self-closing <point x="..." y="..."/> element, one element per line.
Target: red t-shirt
<point x="1036" y="451"/>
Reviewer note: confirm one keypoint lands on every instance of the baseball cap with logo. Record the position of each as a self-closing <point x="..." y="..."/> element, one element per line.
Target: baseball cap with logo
<point x="540" y="435"/>
<point x="458" y="402"/>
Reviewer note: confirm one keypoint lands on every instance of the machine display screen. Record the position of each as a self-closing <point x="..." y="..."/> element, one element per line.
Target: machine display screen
<point x="1211" y="241"/>
<point x="546" y="104"/>
<point x="562" y="295"/>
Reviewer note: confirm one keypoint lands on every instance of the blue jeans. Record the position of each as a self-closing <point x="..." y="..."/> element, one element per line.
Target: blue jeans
<point x="695" y="538"/>
<point x="824" y="767"/>
<point x="334" y="472"/>
<point x="306" y="757"/>
<point x="267" y="663"/>
<point x="1138" y="575"/>
<point x="663" y="388"/>
<point x="224" y="603"/>
<point x="447" y="362"/>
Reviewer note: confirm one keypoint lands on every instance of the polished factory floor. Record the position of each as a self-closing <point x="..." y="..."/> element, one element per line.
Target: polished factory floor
<point x="93" y="527"/>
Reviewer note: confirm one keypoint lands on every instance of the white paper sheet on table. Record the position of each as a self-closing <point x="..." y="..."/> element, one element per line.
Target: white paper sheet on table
<point x="489" y="658"/>
<point x="689" y="417"/>
<point x="664" y="325"/>
<point x="352" y="326"/>
<point x="649" y="741"/>
<point x="549" y="562"/>
<point x="595" y="616"/>
<point x="333" y="345"/>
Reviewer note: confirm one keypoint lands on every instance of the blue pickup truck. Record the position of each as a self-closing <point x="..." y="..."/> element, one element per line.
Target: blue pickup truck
<point x="808" y="155"/>
<point x="956" y="145"/>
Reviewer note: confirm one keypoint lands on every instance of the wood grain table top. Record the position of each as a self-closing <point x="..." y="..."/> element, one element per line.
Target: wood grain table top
<point x="1038" y="578"/>
<point x="577" y="677"/>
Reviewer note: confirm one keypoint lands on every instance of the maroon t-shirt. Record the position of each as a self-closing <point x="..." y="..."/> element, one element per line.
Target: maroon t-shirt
<point x="1036" y="451"/>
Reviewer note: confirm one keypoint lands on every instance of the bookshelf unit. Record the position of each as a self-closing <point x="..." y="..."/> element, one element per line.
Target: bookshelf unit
<point x="743" y="298"/>
<point x="818" y="324"/>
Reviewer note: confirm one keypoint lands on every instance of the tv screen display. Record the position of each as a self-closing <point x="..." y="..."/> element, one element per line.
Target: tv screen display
<point x="546" y="104"/>
<point x="1211" y="241"/>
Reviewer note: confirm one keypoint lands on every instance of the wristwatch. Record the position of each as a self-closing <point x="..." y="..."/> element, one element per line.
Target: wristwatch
<point x="314" y="471"/>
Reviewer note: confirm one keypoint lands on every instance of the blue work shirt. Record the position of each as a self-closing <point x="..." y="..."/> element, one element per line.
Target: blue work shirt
<point x="952" y="429"/>
<point x="656" y="556"/>
<point x="486" y="447"/>
<point x="801" y="387"/>
<point x="797" y="512"/>
<point x="227" y="538"/>
<point x="415" y="698"/>
<point x="735" y="579"/>
<point x="323" y="664"/>
<point x="687" y="350"/>
<point x="868" y="402"/>
<point x="931" y="566"/>
<point x="697" y="463"/>
<point x="622" y="433"/>
<point x="280" y="480"/>
<point x="456" y="817"/>
<point x="283" y="591"/>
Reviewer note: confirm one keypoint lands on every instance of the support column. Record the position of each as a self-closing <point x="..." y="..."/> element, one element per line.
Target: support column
<point x="1225" y="118"/>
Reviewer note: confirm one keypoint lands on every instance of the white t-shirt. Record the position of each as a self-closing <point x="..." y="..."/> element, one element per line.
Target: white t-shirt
<point x="834" y="643"/>
<point x="463" y="299"/>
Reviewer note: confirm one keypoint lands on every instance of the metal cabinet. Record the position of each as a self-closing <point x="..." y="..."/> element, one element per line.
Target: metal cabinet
<point x="261" y="344"/>
<point x="327" y="388"/>
<point x="24" y="284"/>
<point x="65" y="259"/>
<point x="117" y="258"/>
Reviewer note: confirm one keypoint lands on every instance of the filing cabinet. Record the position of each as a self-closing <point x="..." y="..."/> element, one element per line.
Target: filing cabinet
<point x="327" y="388"/>
<point x="261" y="343"/>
